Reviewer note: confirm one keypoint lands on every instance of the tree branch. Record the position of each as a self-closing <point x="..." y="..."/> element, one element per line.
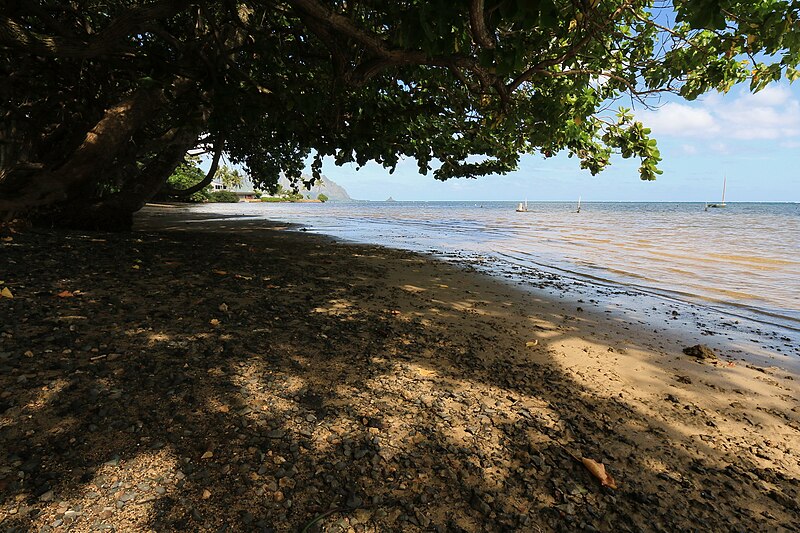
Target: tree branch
<point x="109" y="41"/>
<point x="478" y="25"/>
<point x="219" y="147"/>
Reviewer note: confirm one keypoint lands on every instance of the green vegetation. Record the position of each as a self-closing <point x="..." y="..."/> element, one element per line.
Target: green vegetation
<point x="186" y="176"/>
<point x="322" y="198"/>
<point x="224" y="196"/>
<point x="100" y="104"/>
<point x="283" y="195"/>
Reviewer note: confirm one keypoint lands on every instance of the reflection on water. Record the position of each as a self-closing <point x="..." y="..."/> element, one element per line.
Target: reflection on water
<point x="747" y="255"/>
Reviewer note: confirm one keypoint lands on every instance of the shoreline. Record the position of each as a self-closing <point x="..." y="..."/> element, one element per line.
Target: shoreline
<point x="231" y="372"/>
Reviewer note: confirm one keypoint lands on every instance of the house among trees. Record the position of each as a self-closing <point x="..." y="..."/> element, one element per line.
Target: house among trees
<point x="245" y="190"/>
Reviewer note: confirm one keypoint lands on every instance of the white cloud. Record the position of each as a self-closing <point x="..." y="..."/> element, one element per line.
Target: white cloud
<point x="773" y="113"/>
<point x="689" y="149"/>
<point x="680" y="119"/>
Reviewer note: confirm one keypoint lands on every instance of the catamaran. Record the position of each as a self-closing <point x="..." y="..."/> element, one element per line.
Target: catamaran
<point x="722" y="203"/>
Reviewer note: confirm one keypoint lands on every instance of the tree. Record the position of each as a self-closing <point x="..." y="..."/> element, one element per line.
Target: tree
<point x="187" y="177"/>
<point x="231" y="177"/>
<point x="322" y="198"/>
<point x="103" y="99"/>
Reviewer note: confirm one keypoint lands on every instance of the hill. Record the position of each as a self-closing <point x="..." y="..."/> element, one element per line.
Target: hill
<point x="328" y="187"/>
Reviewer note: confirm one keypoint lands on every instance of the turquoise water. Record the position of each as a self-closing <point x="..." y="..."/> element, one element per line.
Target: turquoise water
<point x="744" y="258"/>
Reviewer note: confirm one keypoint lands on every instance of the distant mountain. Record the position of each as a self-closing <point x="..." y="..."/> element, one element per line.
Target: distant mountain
<point x="327" y="186"/>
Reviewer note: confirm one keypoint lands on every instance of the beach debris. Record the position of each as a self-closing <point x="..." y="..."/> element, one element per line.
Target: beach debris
<point x="208" y="455"/>
<point x="6" y="293"/>
<point x="220" y="272"/>
<point x="65" y="294"/>
<point x="223" y="307"/>
<point x="598" y="470"/>
<point x="206" y="494"/>
<point x="700" y="351"/>
<point x="531" y="344"/>
<point x="214" y="322"/>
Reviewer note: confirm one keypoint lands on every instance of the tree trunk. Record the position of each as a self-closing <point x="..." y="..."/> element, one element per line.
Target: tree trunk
<point x="24" y="188"/>
<point x="115" y="212"/>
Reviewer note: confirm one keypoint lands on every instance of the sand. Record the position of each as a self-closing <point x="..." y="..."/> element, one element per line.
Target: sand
<point x="234" y="375"/>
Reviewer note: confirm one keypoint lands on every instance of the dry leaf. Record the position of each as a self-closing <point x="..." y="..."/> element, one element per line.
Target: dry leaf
<point x="207" y="455"/>
<point x="219" y="272"/>
<point x="214" y="322"/>
<point x="223" y="307"/>
<point x="136" y="267"/>
<point x="531" y="344"/>
<point x="8" y="239"/>
<point x="5" y="293"/>
<point x="65" y="294"/>
<point x="599" y="471"/>
<point x="206" y="494"/>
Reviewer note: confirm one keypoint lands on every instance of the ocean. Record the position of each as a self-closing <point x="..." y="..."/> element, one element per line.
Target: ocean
<point x="743" y="259"/>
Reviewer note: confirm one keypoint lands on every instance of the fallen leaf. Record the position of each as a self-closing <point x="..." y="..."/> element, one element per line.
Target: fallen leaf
<point x="207" y="455"/>
<point x="223" y="307"/>
<point x="532" y="343"/>
<point x="214" y="322"/>
<point x="598" y="470"/>
<point x="136" y="267"/>
<point x="65" y="294"/>
<point x="219" y="272"/>
<point x="8" y="239"/>
<point x="5" y="293"/>
<point x="206" y="494"/>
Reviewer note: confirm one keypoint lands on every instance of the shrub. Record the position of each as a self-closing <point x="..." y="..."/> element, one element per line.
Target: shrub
<point x="224" y="196"/>
<point x="322" y="198"/>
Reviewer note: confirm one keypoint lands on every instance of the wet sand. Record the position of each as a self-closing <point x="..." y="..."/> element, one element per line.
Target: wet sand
<point x="202" y="375"/>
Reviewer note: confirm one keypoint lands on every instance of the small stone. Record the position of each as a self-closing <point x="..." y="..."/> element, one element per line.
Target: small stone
<point x="47" y="496"/>
<point x="207" y="455"/>
<point x="700" y="351"/>
<point x="206" y="494"/>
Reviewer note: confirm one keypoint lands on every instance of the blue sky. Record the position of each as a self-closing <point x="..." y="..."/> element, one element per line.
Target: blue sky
<point x="753" y="140"/>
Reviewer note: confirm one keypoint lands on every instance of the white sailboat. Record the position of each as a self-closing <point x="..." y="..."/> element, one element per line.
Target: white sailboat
<point x="523" y="208"/>
<point x="579" y="205"/>
<point x="722" y="203"/>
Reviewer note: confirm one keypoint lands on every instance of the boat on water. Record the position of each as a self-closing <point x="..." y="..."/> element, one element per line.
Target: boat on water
<point x="579" y="205"/>
<point x="722" y="203"/>
<point x="523" y="208"/>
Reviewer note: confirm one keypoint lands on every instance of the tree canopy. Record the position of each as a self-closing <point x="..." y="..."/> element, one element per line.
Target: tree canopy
<point x="103" y="98"/>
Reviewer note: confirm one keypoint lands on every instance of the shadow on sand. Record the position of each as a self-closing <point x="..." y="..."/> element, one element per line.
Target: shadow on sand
<point x="201" y="380"/>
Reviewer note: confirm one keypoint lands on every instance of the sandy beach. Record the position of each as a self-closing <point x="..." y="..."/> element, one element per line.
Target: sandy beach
<point x="232" y="375"/>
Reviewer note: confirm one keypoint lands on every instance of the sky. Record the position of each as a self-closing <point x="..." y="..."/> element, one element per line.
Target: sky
<point x="752" y="140"/>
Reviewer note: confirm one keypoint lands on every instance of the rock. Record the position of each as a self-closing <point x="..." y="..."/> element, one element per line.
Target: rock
<point x="354" y="501"/>
<point x="700" y="351"/>
<point x="47" y="496"/>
